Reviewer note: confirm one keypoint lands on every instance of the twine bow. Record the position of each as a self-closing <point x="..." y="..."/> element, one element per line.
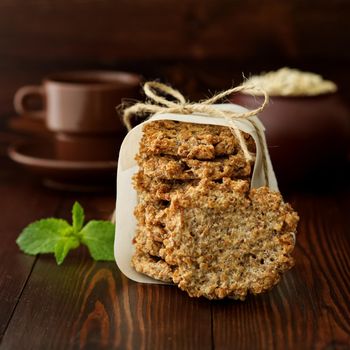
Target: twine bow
<point x="159" y="104"/>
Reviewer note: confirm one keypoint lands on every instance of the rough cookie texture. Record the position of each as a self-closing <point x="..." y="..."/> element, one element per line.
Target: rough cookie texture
<point x="154" y="188"/>
<point x="170" y="168"/>
<point x="199" y="224"/>
<point x="149" y="240"/>
<point x="187" y="140"/>
<point x="149" y="213"/>
<point x="152" y="267"/>
<point x="227" y="241"/>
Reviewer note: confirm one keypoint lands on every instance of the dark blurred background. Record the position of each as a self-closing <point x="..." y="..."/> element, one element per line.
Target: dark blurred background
<point x="199" y="46"/>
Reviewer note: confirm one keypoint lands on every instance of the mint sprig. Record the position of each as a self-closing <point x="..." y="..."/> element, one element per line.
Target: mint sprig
<point x="57" y="236"/>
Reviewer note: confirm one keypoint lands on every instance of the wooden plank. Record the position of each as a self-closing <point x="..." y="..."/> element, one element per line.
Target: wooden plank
<point x="310" y="307"/>
<point x="104" y="29"/>
<point x="89" y="305"/>
<point x="108" y="31"/>
<point x="21" y="202"/>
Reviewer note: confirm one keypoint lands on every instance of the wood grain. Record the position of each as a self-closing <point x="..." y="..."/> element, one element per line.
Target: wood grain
<point x="89" y="305"/>
<point x="109" y="30"/>
<point x="20" y="204"/>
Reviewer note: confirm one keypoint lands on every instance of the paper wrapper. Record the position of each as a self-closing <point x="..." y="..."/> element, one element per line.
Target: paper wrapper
<point x="127" y="167"/>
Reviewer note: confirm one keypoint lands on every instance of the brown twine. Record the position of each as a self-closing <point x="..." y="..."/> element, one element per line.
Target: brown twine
<point x="181" y="106"/>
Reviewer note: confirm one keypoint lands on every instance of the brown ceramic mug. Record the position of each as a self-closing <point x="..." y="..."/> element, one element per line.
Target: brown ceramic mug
<point x="306" y="135"/>
<point x="80" y="108"/>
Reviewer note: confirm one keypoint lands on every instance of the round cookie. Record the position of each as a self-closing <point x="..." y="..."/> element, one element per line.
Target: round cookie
<point x="228" y="241"/>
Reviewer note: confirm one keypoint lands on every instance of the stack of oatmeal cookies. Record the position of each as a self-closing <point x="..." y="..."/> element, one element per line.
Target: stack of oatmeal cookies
<point x="200" y="225"/>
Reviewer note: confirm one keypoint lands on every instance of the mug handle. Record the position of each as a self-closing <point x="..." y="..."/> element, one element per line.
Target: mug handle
<point x="21" y="98"/>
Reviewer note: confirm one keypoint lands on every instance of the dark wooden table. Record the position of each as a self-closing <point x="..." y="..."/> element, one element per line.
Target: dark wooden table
<point x="83" y="304"/>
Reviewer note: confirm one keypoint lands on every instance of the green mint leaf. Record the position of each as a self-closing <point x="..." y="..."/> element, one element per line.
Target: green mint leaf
<point x="77" y="217"/>
<point x="59" y="237"/>
<point x="98" y="236"/>
<point x="41" y="236"/>
<point x="63" y="246"/>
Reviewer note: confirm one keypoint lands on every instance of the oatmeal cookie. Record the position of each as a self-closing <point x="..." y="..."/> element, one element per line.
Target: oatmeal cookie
<point x="171" y="168"/>
<point x="187" y="140"/>
<point x="199" y="224"/>
<point x="227" y="241"/>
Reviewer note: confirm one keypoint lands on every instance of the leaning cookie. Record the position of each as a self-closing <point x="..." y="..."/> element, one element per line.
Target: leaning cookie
<point x="227" y="241"/>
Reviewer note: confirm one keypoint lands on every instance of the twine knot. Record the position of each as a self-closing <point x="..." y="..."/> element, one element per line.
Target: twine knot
<point x="164" y="99"/>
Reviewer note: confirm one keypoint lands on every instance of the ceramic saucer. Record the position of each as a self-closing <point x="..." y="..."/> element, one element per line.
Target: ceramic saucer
<point x="28" y="125"/>
<point x="39" y="157"/>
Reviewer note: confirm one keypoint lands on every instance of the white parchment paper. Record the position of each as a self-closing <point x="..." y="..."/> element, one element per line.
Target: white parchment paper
<point x="127" y="167"/>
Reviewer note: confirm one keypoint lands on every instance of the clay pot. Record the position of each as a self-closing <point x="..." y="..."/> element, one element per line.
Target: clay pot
<point x="305" y="135"/>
